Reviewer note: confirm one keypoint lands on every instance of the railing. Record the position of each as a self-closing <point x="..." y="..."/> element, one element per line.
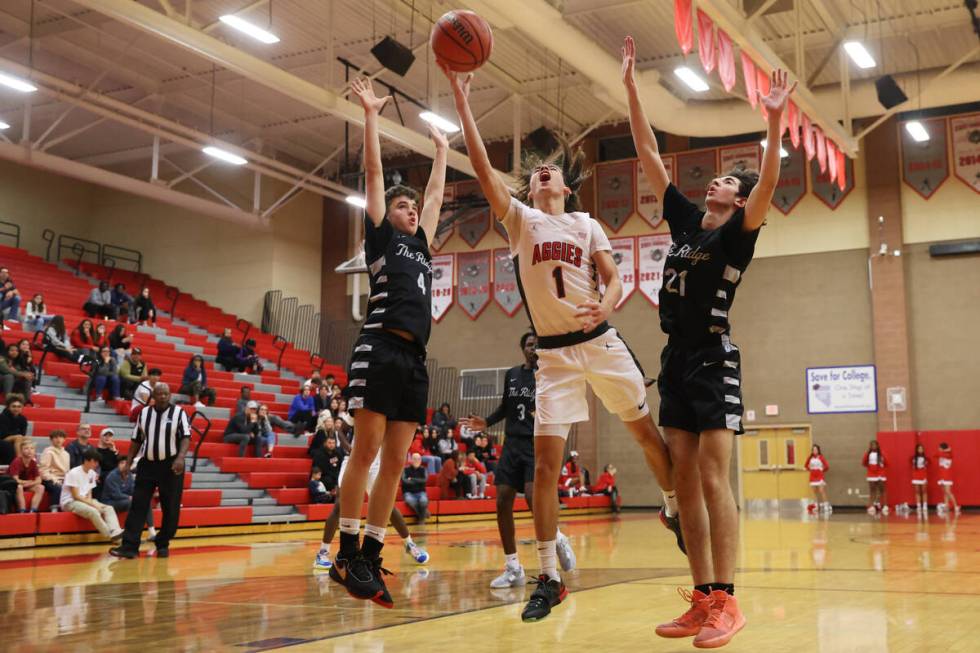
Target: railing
<point x="87" y="366"/>
<point x="298" y="324"/>
<point x="10" y="230"/>
<point x="173" y="294"/>
<point x="279" y="344"/>
<point x="45" y="350"/>
<point x="247" y="327"/>
<point x="118" y="254"/>
<point x="201" y="435"/>
<point x="48" y="236"/>
<point x="79" y="248"/>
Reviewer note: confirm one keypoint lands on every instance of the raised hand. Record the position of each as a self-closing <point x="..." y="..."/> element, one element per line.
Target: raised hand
<point x="779" y="92"/>
<point x="629" y="62"/>
<point x="364" y="91"/>
<point x="460" y="83"/>
<point x="440" y="140"/>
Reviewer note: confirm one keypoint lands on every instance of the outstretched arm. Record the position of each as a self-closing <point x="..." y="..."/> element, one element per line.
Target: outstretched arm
<point x="493" y="187"/>
<point x="435" y="189"/>
<point x="373" y="174"/>
<point x="643" y="139"/>
<point x="757" y="206"/>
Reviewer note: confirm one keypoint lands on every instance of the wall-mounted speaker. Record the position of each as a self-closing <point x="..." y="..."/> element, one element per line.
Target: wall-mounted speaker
<point x="393" y="55"/>
<point x="889" y="93"/>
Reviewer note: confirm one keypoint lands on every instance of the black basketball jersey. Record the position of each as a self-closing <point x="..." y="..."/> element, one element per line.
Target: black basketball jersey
<point x="517" y="403"/>
<point x="702" y="271"/>
<point x="400" y="268"/>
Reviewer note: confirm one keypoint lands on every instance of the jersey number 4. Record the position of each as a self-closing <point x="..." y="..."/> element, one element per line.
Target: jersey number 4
<point x="421" y="282"/>
<point x="674" y="282"/>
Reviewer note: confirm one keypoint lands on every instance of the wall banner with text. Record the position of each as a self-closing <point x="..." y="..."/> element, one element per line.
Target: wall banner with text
<point x="652" y="254"/>
<point x="442" y="285"/>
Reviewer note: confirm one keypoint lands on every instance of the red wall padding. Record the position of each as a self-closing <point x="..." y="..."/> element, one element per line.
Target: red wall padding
<point x="899" y="446"/>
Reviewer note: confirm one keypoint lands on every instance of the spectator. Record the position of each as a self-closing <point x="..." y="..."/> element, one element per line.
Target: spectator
<point x="342" y="413"/>
<point x="484" y="452"/>
<point x="8" y="450"/>
<point x="318" y="491"/>
<point x="339" y="428"/>
<point x="266" y="435"/>
<point x="450" y="478"/>
<point x="117" y="491"/>
<point x="302" y="412"/>
<point x="101" y="337"/>
<point x="122" y="301"/>
<point x="144" y="308"/>
<point x="99" y="302"/>
<point x="315" y="379"/>
<point x="446" y="445"/>
<point x="58" y="341"/>
<point x="55" y="463"/>
<point x="25" y="471"/>
<point x="121" y="342"/>
<point x="328" y="458"/>
<point x="243" y="399"/>
<point x="330" y="381"/>
<point x="413" y="488"/>
<point x="132" y="372"/>
<point x="76" y="497"/>
<point x="9" y="296"/>
<point x="248" y="360"/>
<point x="108" y="454"/>
<point x="12" y="377"/>
<point x="572" y="479"/>
<point x="228" y="352"/>
<point x="12" y="420"/>
<point x="143" y="395"/>
<point x="322" y="400"/>
<point x="105" y="373"/>
<point x="36" y="316"/>
<point x="243" y="429"/>
<point x="442" y="420"/>
<point x="195" y="382"/>
<point x="82" y="338"/>
<point x="430" y="459"/>
<point x="476" y="474"/>
<point x="83" y="434"/>
<point x="606" y="484"/>
<point x="25" y="362"/>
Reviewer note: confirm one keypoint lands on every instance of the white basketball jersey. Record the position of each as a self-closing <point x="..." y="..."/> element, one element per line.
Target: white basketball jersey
<point x="554" y="255"/>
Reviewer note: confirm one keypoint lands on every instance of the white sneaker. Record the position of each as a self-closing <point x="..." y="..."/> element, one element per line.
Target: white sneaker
<point x="199" y="405"/>
<point x="510" y="578"/>
<point x="884" y="510"/>
<point x="566" y="557"/>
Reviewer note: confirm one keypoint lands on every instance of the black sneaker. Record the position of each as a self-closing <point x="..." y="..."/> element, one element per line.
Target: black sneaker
<point x="674" y="524"/>
<point x="338" y="571"/>
<point x="122" y="552"/>
<point x="384" y="598"/>
<point x="549" y="593"/>
<point x="363" y="580"/>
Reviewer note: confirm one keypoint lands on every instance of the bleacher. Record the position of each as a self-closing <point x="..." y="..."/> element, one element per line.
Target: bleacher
<point x="223" y="489"/>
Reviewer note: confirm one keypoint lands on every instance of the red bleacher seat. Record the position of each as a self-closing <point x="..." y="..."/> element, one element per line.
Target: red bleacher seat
<point x="200" y="498"/>
<point x="239" y="465"/>
<point x="18" y="524"/>
<point x="275" y="479"/>
<point x="316" y="511"/>
<point x="289" y="496"/>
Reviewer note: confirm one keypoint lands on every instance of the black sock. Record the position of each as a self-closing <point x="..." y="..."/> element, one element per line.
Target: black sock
<point x="371" y="548"/>
<point x="728" y="588"/>
<point x="349" y="544"/>
<point x="704" y="589"/>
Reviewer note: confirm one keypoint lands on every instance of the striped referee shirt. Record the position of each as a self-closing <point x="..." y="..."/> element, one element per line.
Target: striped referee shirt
<point x="162" y="431"/>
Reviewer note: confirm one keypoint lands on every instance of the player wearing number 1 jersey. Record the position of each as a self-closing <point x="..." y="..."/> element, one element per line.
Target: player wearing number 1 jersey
<point x="562" y="255"/>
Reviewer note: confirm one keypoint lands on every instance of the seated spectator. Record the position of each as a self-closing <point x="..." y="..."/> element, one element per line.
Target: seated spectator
<point x="36" y="316"/>
<point x="12" y="420"/>
<point x="83" y="338"/>
<point x="413" y="488"/>
<point x="8" y="450"/>
<point x="339" y="428"/>
<point x="58" y="341"/>
<point x="244" y="429"/>
<point x="266" y="435"/>
<point x="342" y="413"/>
<point x="25" y="471"/>
<point x="144" y="309"/>
<point x="446" y="445"/>
<point x="76" y="497"/>
<point x="99" y="302"/>
<point x="143" y="395"/>
<point x="25" y="362"/>
<point x="81" y="443"/>
<point x="328" y="459"/>
<point x="132" y="372"/>
<point x="451" y="479"/>
<point x="13" y="378"/>
<point x="322" y="400"/>
<point x="572" y="479"/>
<point x="228" y="353"/>
<point x="101" y="337"/>
<point x="467" y="436"/>
<point x="121" y="342"/>
<point x="195" y="382"/>
<point x="9" y="297"/>
<point x="243" y="399"/>
<point x="117" y="491"/>
<point x="248" y="360"/>
<point x="606" y="484"/>
<point x="330" y="381"/>
<point x="430" y="440"/>
<point x="429" y="449"/>
<point x="122" y="301"/>
<point x="318" y="491"/>
<point x="315" y="380"/>
<point x="55" y="463"/>
<point x="476" y="475"/>
<point x="484" y="452"/>
<point x="105" y="374"/>
<point x="442" y="421"/>
<point x="302" y="412"/>
<point x="108" y="454"/>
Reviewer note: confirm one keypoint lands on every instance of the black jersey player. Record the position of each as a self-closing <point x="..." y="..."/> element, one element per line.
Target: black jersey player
<point x="700" y="380"/>
<point x="387" y="383"/>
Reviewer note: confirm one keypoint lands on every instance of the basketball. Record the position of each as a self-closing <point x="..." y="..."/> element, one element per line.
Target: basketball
<point x="462" y="40"/>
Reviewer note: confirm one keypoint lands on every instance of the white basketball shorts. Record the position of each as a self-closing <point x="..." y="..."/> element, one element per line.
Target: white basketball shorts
<point x="372" y="472"/>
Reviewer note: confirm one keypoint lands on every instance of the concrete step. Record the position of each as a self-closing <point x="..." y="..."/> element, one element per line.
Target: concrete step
<point x="271" y="510"/>
<point x="241" y="493"/>
<point x="234" y="502"/>
<point x="278" y="519"/>
<point x="264" y="501"/>
<point x="217" y="485"/>
<point x="213" y="476"/>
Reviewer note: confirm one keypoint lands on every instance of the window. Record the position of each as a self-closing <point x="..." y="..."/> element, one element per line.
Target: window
<point x="485" y="383"/>
<point x="791" y="452"/>
<point x="763" y="453"/>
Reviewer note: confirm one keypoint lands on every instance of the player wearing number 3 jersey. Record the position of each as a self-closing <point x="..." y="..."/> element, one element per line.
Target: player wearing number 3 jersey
<point x="562" y="254"/>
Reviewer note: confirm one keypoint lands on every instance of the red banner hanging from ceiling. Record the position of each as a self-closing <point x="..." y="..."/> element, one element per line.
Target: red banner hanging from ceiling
<point x="794" y="124"/>
<point x="726" y="60"/>
<point x="832" y="160"/>
<point x="683" y="26"/>
<point x="762" y="82"/>
<point x="808" y="144"/>
<point x="841" y="170"/>
<point x="748" y="72"/>
<point x="706" y="42"/>
<point x="821" y="149"/>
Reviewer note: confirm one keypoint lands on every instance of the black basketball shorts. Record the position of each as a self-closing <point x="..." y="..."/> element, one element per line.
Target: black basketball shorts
<point x="701" y="387"/>
<point x="516" y="466"/>
<point x="387" y="375"/>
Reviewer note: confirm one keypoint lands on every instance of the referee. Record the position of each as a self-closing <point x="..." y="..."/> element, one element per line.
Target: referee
<point x="160" y="439"/>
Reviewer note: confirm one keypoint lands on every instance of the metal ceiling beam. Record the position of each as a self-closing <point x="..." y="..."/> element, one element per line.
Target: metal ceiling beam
<point x="264" y="73"/>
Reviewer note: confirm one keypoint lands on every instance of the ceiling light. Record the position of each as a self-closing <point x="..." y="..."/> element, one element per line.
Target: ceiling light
<point x="4" y="125"/>
<point x="917" y="131"/>
<point x="439" y="121"/>
<point x="357" y="201"/>
<point x="17" y="83"/>
<point x="246" y="27"/>
<point x="859" y="54"/>
<point x="782" y="150"/>
<point x="224" y="155"/>
<point x="691" y="78"/>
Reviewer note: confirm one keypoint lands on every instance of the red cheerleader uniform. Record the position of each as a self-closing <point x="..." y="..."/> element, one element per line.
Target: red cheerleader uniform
<point x="875" y="462"/>
<point x="945" y="468"/>
<point x="920" y="470"/>
<point x="818" y="467"/>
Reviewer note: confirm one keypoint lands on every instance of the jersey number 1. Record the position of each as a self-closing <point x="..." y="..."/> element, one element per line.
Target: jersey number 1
<point x="559" y="281"/>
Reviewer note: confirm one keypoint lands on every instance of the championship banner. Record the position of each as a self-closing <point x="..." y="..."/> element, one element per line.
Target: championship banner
<point x="440" y="237"/>
<point x="966" y="149"/>
<point x="474" y="282"/>
<point x="791" y="186"/>
<point x="614" y="193"/>
<point x="652" y="254"/>
<point x="624" y="254"/>
<point x="647" y="204"/>
<point x="476" y="223"/>
<point x="695" y="170"/>
<point x="442" y="285"/>
<point x="826" y="188"/>
<point x="740" y="157"/>
<point x="505" y="291"/>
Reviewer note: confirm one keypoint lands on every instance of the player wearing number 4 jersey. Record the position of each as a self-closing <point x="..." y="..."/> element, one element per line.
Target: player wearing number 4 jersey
<point x="562" y="254"/>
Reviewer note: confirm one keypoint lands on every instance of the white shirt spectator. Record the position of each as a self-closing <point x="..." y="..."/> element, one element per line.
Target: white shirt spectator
<point x="141" y="396"/>
<point x="78" y="478"/>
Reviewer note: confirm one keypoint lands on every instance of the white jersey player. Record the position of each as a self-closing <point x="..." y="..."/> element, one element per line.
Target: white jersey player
<point x="561" y="257"/>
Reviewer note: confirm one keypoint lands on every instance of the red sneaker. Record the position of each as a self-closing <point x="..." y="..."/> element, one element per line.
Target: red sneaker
<point x="689" y="623"/>
<point x="724" y="620"/>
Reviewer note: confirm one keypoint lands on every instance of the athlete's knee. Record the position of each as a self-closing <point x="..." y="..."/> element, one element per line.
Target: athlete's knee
<point x="715" y="488"/>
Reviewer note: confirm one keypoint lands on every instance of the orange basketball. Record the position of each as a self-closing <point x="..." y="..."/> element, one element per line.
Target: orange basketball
<point x="462" y="40"/>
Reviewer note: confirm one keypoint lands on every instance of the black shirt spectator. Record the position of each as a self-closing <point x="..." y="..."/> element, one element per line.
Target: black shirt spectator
<point x="413" y="479"/>
<point x="99" y="303"/>
<point x="75" y="449"/>
<point x="442" y="421"/>
<point x="144" y="308"/>
<point x="328" y="459"/>
<point x="227" y="352"/>
<point x="12" y="420"/>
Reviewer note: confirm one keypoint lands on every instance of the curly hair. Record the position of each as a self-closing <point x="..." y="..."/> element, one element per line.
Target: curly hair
<point x="570" y="160"/>
<point x="747" y="179"/>
<point x="399" y="190"/>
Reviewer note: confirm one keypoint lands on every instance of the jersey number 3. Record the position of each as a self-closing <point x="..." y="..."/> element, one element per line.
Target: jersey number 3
<point x="559" y="281"/>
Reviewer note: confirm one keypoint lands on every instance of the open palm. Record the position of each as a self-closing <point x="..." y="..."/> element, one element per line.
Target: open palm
<point x="629" y="61"/>
<point x="363" y="89"/>
<point x="779" y="91"/>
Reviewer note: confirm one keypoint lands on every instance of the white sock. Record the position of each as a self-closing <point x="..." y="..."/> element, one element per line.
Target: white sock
<point x="548" y="559"/>
<point x="350" y="526"/>
<point x="512" y="561"/>
<point x="670" y="502"/>
<point x="324" y="547"/>
<point x="558" y="534"/>
<point x="375" y="532"/>
<point x="408" y="541"/>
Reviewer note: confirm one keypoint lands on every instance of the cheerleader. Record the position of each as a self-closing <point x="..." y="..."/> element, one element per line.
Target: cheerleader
<point x="874" y="461"/>
<point x="920" y="472"/>
<point x="818" y="467"/>
<point x="946" y="479"/>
